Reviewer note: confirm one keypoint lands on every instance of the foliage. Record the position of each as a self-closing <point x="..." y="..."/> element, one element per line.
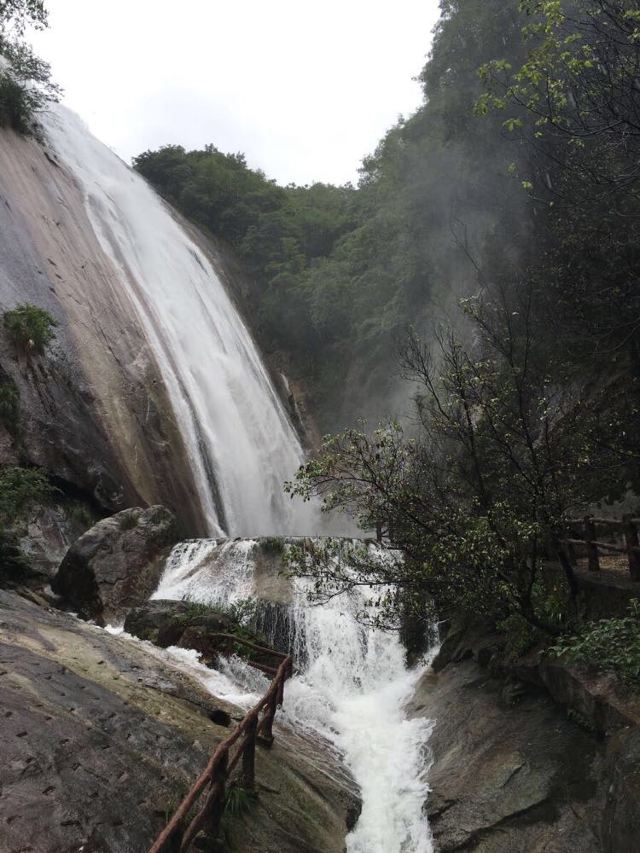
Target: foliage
<point x="30" y="328"/>
<point x="10" y="406"/>
<point x="81" y="514"/>
<point x="25" y="80"/>
<point x="478" y="496"/>
<point x="238" y="801"/>
<point x="13" y="563"/>
<point x="15" y="107"/>
<point x="608" y="645"/>
<point x="128" y="521"/>
<point x="273" y="545"/>
<point x="20" y="489"/>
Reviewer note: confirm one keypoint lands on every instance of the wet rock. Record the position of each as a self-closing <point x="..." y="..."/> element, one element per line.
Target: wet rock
<point x="117" y="563"/>
<point x="621" y="822"/>
<point x="102" y="738"/>
<point x="209" y="631"/>
<point x="507" y="777"/>
<point x="164" y="622"/>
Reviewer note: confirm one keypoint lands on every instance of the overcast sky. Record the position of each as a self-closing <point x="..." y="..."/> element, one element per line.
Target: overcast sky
<point x="304" y="90"/>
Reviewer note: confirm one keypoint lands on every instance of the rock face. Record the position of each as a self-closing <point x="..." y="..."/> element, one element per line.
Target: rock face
<point x="116" y="564"/>
<point x="94" y="412"/>
<point x="102" y="738"/>
<point x="513" y="772"/>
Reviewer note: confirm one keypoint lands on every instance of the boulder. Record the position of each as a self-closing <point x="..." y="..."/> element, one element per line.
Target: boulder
<point x="209" y="631"/>
<point x="164" y="622"/>
<point x="117" y="563"/>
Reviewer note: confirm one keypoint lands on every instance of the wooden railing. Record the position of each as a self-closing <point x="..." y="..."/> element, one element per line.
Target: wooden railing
<point x="256" y="726"/>
<point x="625" y="530"/>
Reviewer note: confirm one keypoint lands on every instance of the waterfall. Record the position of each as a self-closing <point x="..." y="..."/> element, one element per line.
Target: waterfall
<point x="240" y="443"/>
<point x="350" y="689"/>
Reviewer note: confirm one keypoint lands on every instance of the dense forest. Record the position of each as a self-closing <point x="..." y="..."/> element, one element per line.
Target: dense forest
<point x="500" y="225"/>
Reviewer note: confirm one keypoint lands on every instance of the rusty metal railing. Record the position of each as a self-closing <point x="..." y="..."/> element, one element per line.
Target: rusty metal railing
<point x="256" y="726"/>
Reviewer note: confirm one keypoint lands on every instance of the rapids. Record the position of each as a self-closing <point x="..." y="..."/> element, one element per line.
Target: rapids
<point x="351" y="687"/>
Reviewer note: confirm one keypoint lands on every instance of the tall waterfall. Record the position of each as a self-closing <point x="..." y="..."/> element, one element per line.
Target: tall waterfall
<point x="350" y="690"/>
<point x="239" y="440"/>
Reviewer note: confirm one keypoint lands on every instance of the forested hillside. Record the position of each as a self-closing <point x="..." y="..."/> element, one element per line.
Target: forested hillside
<point x="489" y="254"/>
<point x="340" y="272"/>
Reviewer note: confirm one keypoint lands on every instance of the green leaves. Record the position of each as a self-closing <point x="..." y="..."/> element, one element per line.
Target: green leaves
<point x="608" y="645"/>
<point x="30" y="328"/>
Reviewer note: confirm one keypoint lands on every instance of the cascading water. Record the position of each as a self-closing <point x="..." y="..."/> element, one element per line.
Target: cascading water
<point x="351" y="691"/>
<point x="353" y="682"/>
<point x="240" y="443"/>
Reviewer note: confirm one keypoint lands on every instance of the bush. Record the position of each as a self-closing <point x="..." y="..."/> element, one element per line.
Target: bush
<point x="273" y="545"/>
<point x="20" y="488"/>
<point x="15" y="104"/>
<point x="30" y="327"/>
<point x="10" y="407"/>
<point x="609" y="644"/>
<point x="128" y="521"/>
<point x="13" y="562"/>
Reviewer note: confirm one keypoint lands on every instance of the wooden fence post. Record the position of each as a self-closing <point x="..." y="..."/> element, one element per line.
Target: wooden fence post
<point x="265" y="730"/>
<point x="592" y="548"/>
<point x="631" y="541"/>
<point x="249" y="757"/>
<point x="210" y="815"/>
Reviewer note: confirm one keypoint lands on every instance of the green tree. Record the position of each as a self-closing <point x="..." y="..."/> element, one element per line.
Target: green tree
<point x="25" y="80"/>
<point x="507" y="449"/>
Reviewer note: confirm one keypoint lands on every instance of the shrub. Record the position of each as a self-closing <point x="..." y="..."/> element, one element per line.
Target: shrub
<point x="19" y="489"/>
<point x="273" y="545"/>
<point x="30" y="327"/>
<point x="128" y="521"/>
<point x="15" y="104"/>
<point x="608" y="644"/>
<point x="238" y="801"/>
<point x="13" y="562"/>
<point x="10" y="407"/>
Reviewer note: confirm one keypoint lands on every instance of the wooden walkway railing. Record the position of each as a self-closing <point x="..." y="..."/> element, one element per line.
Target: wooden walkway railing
<point x="625" y="530"/>
<point x="256" y="726"/>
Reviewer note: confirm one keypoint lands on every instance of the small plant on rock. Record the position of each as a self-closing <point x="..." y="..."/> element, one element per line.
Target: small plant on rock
<point x="10" y="407"/>
<point x="611" y="645"/>
<point x="30" y="328"/>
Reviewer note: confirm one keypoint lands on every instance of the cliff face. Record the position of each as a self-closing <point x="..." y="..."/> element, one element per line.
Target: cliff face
<point x="94" y="411"/>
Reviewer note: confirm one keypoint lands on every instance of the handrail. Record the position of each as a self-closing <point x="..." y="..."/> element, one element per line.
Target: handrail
<point x="220" y="765"/>
<point x="627" y="526"/>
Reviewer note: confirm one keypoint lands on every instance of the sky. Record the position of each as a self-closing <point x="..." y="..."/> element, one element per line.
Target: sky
<point x="304" y="90"/>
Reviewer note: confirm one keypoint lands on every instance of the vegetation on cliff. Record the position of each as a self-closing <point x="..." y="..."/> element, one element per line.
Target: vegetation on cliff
<point x="25" y="80"/>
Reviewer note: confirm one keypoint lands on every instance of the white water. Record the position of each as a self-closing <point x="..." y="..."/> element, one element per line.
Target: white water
<point x="352" y="691"/>
<point x="234" y="427"/>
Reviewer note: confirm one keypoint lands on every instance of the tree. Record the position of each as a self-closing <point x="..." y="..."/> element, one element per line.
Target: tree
<point x="477" y="500"/>
<point x="25" y="80"/>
